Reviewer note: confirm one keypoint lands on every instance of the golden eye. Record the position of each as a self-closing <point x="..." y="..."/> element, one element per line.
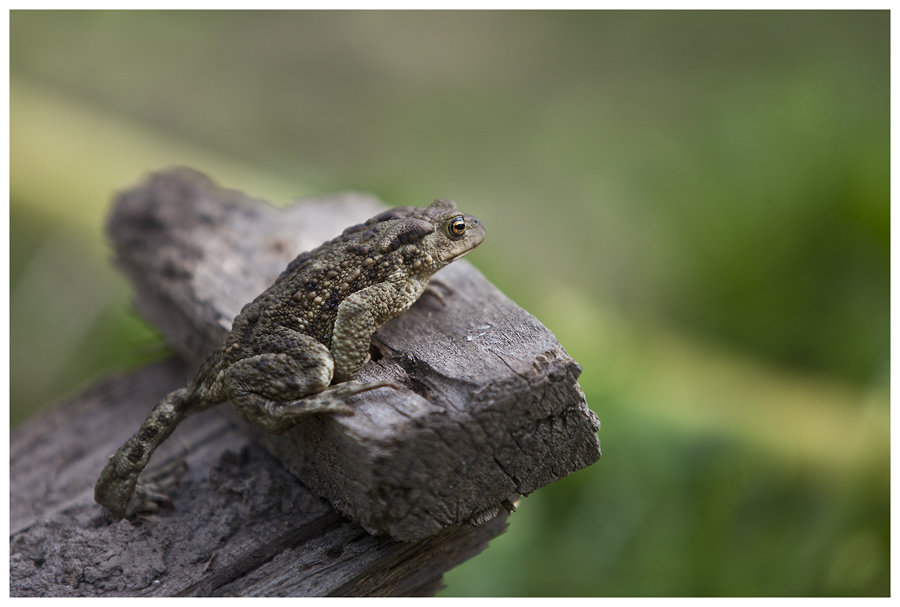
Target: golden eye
<point x="456" y="227"/>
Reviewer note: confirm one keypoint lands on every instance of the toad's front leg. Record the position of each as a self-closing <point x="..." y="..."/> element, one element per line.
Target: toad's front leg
<point x="361" y="314"/>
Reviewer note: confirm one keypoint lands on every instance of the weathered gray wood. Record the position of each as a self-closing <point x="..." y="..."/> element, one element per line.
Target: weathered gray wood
<point x="242" y="525"/>
<point x="491" y="410"/>
<point x="492" y="399"/>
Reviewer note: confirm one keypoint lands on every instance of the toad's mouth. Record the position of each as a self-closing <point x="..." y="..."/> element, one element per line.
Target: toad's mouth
<point x="453" y="258"/>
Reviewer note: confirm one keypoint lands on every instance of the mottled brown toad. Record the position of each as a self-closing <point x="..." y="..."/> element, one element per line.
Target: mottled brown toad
<point x="296" y="348"/>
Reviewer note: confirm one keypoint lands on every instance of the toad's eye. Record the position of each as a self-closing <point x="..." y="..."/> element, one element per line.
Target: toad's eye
<point x="457" y="227"/>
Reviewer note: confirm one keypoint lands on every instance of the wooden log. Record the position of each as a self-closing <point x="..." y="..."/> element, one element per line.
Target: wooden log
<point x="491" y="407"/>
<point x="241" y="525"/>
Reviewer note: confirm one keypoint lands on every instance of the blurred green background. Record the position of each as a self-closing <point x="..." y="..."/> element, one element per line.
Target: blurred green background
<point x="696" y="203"/>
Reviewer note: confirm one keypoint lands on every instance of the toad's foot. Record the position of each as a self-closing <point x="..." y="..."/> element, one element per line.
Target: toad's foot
<point x="279" y="416"/>
<point x="150" y="492"/>
<point x="439" y="290"/>
<point x="125" y="496"/>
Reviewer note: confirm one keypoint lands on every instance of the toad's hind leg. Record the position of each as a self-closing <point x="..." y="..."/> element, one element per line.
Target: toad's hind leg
<point x="118" y="488"/>
<point x="276" y="390"/>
